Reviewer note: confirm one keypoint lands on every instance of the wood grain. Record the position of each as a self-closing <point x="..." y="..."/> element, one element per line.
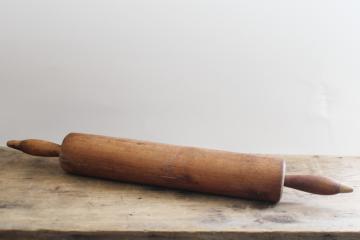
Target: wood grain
<point x="180" y="167"/>
<point x="39" y="201"/>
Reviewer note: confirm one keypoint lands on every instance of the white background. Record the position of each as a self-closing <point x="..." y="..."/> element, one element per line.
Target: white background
<point x="248" y="76"/>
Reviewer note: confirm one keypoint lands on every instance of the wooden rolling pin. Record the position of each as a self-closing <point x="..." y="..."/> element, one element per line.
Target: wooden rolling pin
<point x="196" y="169"/>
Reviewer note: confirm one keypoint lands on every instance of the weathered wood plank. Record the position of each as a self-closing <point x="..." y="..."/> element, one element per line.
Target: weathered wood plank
<point x="39" y="201"/>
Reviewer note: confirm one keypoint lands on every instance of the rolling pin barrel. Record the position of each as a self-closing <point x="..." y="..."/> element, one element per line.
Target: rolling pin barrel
<point x="195" y="169"/>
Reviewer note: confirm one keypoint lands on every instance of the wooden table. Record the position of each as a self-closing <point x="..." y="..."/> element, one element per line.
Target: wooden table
<point x="39" y="201"/>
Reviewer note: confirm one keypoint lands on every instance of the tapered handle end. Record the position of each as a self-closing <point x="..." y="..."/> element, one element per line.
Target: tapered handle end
<point x="13" y="144"/>
<point x="345" y="189"/>
<point x="36" y="147"/>
<point x="316" y="184"/>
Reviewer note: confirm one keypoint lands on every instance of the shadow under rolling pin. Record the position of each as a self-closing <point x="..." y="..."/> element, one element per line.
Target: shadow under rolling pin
<point x="189" y="168"/>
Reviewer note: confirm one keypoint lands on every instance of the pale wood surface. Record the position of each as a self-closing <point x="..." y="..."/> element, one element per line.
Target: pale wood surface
<point x="39" y="201"/>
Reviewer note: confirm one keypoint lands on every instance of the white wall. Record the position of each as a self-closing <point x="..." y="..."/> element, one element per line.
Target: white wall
<point x="274" y="76"/>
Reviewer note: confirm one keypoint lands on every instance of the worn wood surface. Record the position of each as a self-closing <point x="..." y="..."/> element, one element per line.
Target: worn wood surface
<point x="176" y="167"/>
<point x="39" y="201"/>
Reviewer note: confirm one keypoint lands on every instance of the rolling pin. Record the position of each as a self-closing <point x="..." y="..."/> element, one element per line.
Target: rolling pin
<point x="196" y="169"/>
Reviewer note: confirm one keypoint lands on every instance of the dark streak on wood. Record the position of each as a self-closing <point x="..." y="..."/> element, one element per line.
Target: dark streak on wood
<point x="178" y="235"/>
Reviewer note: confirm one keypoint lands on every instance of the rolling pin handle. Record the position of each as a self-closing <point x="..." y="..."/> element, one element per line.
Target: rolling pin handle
<point x="36" y="147"/>
<point x="316" y="184"/>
